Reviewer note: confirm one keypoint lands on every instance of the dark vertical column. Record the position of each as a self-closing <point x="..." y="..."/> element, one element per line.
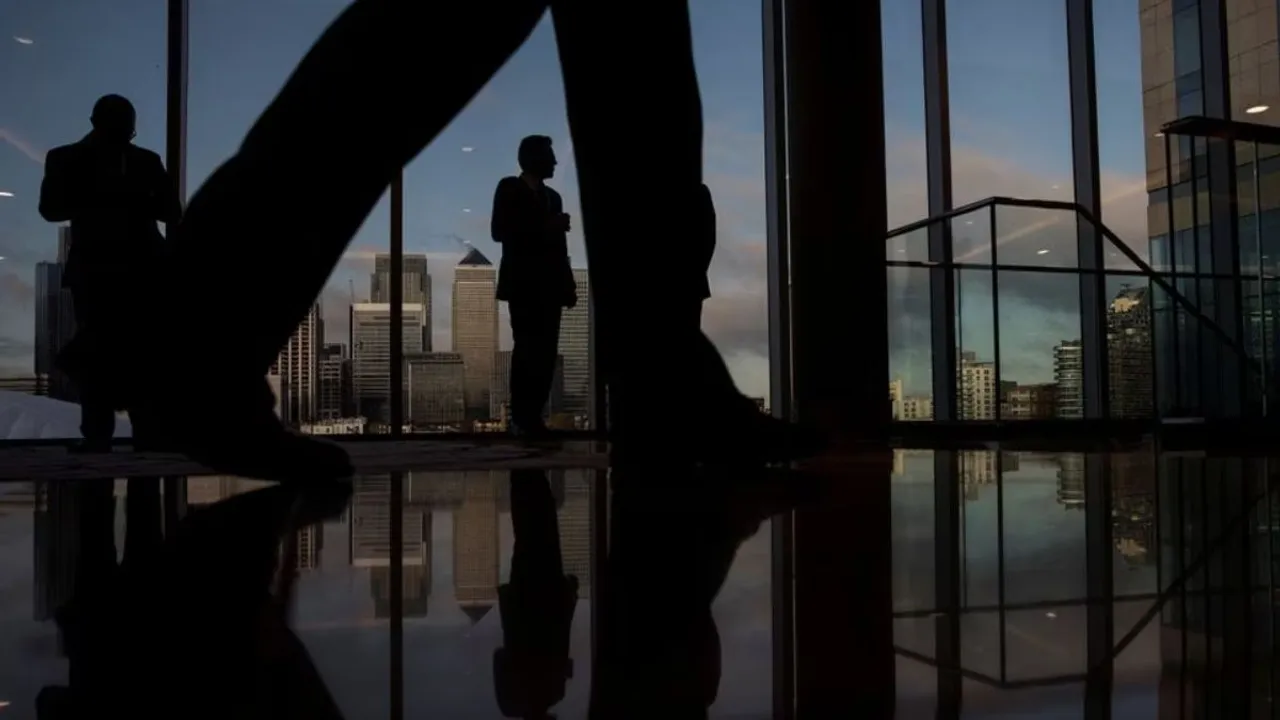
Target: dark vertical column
<point x="1088" y="193"/>
<point x="942" y="297"/>
<point x="1100" y="631"/>
<point x="396" y="394"/>
<point x="841" y="551"/>
<point x="1099" y="587"/>
<point x="942" y="287"/>
<point x="1229" y="367"/>
<point x="775" y="163"/>
<point x="175" y="150"/>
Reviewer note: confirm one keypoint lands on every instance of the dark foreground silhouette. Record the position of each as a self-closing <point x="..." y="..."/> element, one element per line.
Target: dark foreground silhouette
<point x="673" y="535"/>
<point x="196" y="631"/>
<point x="381" y="82"/>
<point x="113" y="193"/>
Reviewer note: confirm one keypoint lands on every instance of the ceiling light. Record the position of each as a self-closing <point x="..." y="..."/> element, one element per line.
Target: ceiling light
<point x="1158" y="134"/>
<point x="466" y="209"/>
<point x="1042" y="252"/>
<point x="467" y="148"/>
<point x="1257" y="109"/>
<point x="24" y="40"/>
<point x="5" y="193"/>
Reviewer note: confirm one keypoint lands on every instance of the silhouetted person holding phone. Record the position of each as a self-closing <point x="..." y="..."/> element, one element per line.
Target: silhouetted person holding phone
<point x="113" y="193"/>
<point x="534" y="277"/>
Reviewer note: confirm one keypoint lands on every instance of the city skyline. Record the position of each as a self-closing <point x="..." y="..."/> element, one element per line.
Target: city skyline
<point x="241" y="51"/>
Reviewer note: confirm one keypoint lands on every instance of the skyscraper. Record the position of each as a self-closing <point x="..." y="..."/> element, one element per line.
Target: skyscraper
<point x="475" y="327"/>
<point x="437" y="390"/>
<point x="333" y="396"/>
<point x="417" y="286"/>
<point x="1129" y="354"/>
<point x="1068" y="375"/>
<point x="55" y="321"/>
<point x="298" y="366"/>
<point x="575" y="347"/>
<point x="371" y="354"/>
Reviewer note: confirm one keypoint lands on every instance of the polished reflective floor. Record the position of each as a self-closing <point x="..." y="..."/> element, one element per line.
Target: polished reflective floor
<point x="528" y="590"/>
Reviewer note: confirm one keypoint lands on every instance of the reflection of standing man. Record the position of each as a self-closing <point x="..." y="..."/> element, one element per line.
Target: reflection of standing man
<point x="113" y="193"/>
<point x="534" y="277"/>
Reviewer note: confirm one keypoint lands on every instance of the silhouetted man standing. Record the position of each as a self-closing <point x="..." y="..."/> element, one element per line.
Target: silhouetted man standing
<point x="534" y="277"/>
<point x="113" y="193"/>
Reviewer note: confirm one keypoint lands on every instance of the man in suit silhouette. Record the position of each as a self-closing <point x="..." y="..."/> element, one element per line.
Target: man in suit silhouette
<point x="113" y="193"/>
<point x="534" y="277"/>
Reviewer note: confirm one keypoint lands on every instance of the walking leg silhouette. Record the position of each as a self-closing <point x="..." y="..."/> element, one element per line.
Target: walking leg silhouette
<point x="277" y="216"/>
<point x="637" y="143"/>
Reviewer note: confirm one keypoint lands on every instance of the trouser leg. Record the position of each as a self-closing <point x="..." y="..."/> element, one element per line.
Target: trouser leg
<point x="619" y="111"/>
<point x="535" y="330"/>
<point x="94" y="307"/>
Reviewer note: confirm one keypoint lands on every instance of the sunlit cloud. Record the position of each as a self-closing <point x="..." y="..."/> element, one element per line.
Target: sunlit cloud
<point x="24" y="40"/>
<point x="21" y="145"/>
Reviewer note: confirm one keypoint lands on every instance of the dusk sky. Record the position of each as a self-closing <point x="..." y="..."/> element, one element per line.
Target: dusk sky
<point x="1009" y="118"/>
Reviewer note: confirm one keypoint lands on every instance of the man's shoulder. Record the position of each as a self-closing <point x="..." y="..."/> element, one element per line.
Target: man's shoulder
<point x="509" y="182"/>
<point x="61" y="152"/>
<point x="141" y="154"/>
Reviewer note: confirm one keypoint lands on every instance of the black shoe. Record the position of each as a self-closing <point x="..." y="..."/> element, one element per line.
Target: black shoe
<point x="85" y="447"/>
<point x="743" y="437"/>
<point x="236" y="432"/>
<point x="531" y="432"/>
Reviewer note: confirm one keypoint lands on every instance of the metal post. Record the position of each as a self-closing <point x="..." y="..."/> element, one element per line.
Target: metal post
<point x="775" y="159"/>
<point x="1084" y="144"/>
<point x="842" y="551"/>
<point x="174" y="489"/>
<point x="1228" y="371"/>
<point x="396" y="393"/>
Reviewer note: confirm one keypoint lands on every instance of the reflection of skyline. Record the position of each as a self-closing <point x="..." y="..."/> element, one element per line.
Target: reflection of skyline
<point x="476" y="504"/>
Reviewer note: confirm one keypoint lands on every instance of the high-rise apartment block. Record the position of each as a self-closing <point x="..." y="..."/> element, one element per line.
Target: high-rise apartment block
<point x="298" y="366"/>
<point x="575" y="348"/>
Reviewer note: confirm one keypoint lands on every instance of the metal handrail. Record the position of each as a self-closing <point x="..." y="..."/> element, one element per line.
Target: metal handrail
<point x="1143" y="268"/>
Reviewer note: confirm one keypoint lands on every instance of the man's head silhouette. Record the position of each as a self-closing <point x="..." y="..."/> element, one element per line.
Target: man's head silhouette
<point x="536" y="157"/>
<point x="114" y="118"/>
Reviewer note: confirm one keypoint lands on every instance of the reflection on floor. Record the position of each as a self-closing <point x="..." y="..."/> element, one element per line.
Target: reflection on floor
<point x="1186" y="578"/>
<point x="49" y="462"/>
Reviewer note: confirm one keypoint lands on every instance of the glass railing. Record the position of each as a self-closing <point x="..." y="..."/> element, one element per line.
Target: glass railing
<point x="1017" y="275"/>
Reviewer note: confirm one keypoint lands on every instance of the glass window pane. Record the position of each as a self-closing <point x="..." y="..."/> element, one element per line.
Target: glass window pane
<point x="910" y="344"/>
<point x="977" y="396"/>
<point x="1000" y="54"/>
<point x="1041" y="358"/>
<point x="333" y="374"/>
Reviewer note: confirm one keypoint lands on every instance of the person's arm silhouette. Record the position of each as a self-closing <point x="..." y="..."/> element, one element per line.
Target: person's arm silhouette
<point x="506" y="223"/>
<point x="60" y="196"/>
<point x="166" y="205"/>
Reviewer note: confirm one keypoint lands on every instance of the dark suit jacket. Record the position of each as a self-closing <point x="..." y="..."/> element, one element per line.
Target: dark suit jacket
<point x="113" y="196"/>
<point x="535" y="258"/>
